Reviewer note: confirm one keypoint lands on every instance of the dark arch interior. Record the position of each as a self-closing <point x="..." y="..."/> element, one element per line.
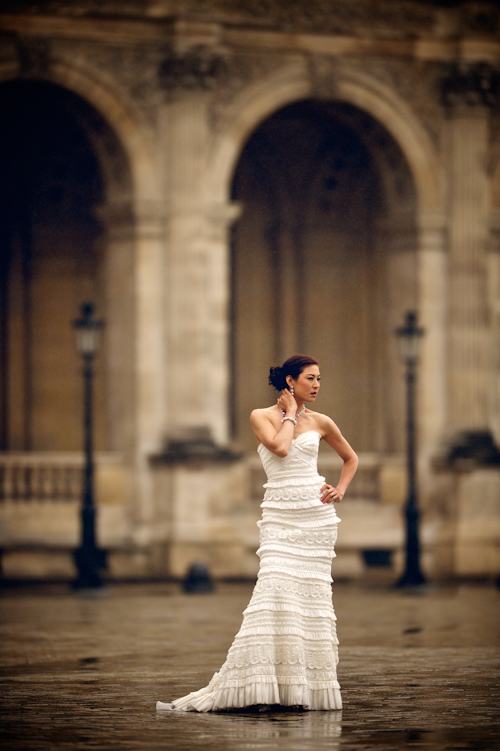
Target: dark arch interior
<point x="49" y="170"/>
<point x="51" y="186"/>
<point x="321" y="185"/>
<point x="303" y="154"/>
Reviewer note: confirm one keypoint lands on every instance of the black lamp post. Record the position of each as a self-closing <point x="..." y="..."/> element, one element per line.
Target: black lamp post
<point x="409" y="337"/>
<point x="89" y="558"/>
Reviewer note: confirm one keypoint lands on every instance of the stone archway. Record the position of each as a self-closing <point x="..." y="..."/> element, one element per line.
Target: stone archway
<point x="294" y="83"/>
<point x="126" y="280"/>
<point x="62" y="165"/>
<point x="324" y="262"/>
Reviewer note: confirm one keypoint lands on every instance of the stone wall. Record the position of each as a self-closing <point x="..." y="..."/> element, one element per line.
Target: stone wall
<point x="267" y="177"/>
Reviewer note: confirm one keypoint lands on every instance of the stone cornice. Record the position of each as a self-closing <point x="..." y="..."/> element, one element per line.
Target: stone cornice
<point x="184" y="33"/>
<point x="98" y="29"/>
<point x="424" y="49"/>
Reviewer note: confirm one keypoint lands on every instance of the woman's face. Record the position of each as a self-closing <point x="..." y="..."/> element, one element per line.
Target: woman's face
<point x="307" y="384"/>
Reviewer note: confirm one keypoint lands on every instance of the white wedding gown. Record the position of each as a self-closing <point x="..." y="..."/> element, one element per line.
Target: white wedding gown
<point x="286" y="651"/>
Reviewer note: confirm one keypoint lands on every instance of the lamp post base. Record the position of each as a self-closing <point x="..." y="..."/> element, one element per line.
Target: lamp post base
<point x="89" y="562"/>
<point x="411" y="579"/>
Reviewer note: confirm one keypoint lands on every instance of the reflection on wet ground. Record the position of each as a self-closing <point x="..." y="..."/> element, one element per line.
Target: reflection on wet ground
<point x="418" y="671"/>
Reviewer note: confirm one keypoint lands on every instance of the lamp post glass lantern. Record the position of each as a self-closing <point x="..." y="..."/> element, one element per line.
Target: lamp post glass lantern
<point x="88" y="332"/>
<point x="89" y="559"/>
<point x="409" y="338"/>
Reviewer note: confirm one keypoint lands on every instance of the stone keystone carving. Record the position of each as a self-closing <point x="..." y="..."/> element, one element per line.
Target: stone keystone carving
<point x="476" y="85"/>
<point x="323" y="74"/>
<point x="198" y="68"/>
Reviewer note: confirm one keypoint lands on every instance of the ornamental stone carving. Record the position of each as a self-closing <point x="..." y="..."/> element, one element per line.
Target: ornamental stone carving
<point x="133" y="69"/>
<point x="418" y="88"/>
<point x="34" y="56"/>
<point x="471" y="86"/>
<point x="199" y="68"/>
<point x="325" y="16"/>
<point x="244" y="70"/>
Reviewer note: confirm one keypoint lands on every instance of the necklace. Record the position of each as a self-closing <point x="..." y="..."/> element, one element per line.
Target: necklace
<point x="298" y="413"/>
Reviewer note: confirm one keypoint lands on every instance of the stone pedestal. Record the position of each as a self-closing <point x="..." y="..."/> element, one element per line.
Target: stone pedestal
<point x="477" y="531"/>
<point x="206" y="516"/>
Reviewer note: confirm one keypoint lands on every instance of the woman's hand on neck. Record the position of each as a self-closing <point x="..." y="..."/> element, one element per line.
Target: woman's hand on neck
<point x="287" y="403"/>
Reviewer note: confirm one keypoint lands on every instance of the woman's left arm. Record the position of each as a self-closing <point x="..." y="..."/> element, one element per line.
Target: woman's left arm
<point x="335" y="439"/>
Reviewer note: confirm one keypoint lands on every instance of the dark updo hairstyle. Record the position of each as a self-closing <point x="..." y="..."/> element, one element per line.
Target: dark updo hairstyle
<point x="292" y="367"/>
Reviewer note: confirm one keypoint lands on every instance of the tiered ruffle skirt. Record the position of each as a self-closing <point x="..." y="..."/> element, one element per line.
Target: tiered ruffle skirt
<point x="286" y="651"/>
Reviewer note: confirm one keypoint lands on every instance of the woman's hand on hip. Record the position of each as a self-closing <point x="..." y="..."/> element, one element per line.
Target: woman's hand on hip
<point x="329" y="494"/>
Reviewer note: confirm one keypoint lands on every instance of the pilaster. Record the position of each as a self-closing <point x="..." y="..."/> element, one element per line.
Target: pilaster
<point x="468" y="94"/>
<point x="287" y="277"/>
<point x="396" y="246"/>
<point x="431" y="305"/>
<point x="118" y="221"/>
<point x="187" y="75"/>
<point x="220" y="219"/>
<point x="150" y="356"/>
<point x="493" y="266"/>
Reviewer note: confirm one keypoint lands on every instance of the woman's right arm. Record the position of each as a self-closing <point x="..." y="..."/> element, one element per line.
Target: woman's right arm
<point x="277" y="441"/>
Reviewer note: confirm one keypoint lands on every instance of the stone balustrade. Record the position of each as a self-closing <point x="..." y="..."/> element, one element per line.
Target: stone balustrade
<point x="39" y="477"/>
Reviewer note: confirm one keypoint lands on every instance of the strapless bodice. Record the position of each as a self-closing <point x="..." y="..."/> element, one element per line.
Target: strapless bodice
<point x="293" y="480"/>
<point x="301" y="460"/>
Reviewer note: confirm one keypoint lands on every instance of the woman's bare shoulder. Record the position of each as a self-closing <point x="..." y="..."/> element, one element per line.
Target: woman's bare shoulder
<point x="263" y="413"/>
<point x="325" y="423"/>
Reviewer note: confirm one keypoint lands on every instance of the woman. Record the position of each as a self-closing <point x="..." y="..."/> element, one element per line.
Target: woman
<point x="286" y="650"/>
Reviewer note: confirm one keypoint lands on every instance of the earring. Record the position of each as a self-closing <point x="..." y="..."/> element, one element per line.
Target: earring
<point x="292" y="390"/>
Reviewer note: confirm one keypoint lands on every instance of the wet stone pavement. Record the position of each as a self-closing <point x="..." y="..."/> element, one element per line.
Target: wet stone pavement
<point x="83" y="671"/>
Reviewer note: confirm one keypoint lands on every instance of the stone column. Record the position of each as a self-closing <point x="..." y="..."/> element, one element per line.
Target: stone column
<point x="396" y="245"/>
<point x="119" y="312"/>
<point x="149" y="357"/>
<point x="467" y="94"/>
<point x="416" y="278"/>
<point x="288" y="291"/>
<point x="185" y="131"/>
<point x="472" y="536"/>
<point x="220" y="219"/>
<point x="285" y="264"/>
<point x="196" y="299"/>
<point x="431" y="305"/>
<point x="493" y="266"/>
<point x="431" y="383"/>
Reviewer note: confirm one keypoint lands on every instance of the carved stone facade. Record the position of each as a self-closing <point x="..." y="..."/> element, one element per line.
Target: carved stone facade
<point x="198" y="68"/>
<point x="471" y="85"/>
<point x="230" y="182"/>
